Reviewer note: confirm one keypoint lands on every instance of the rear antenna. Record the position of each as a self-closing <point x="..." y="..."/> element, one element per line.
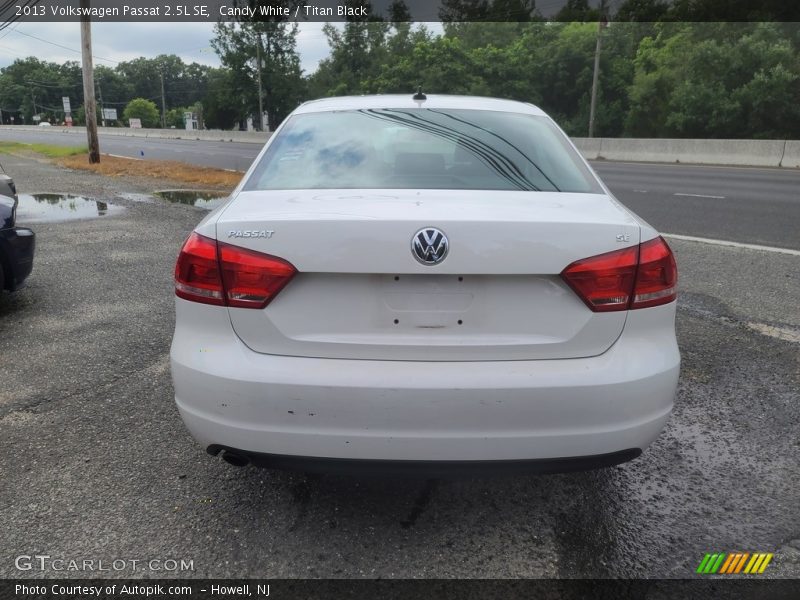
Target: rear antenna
<point x="419" y="95"/>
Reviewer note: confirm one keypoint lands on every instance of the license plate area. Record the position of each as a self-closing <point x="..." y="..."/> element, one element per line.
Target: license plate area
<point x="430" y="302"/>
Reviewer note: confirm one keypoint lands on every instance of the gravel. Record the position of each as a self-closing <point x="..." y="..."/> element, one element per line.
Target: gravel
<point x="96" y="463"/>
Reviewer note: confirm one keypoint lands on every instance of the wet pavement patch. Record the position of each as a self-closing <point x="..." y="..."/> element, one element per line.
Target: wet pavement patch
<point x="44" y="208"/>
<point x="207" y="199"/>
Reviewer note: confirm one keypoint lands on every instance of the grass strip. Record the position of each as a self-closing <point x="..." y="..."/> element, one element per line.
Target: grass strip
<point x="114" y="166"/>
<point x="48" y="150"/>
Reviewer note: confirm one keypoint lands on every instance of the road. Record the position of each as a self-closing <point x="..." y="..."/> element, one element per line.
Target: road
<point x="223" y="155"/>
<point x="745" y="205"/>
<point x="97" y="465"/>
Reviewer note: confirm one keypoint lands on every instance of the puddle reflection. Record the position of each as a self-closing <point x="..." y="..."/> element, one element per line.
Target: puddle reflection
<point x="207" y="199"/>
<point x="44" y="208"/>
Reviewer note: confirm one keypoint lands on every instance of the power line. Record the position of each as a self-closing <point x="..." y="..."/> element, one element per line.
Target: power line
<point x="6" y="8"/>
<point x="60" y="46"/>
<point x="9" y="31"/>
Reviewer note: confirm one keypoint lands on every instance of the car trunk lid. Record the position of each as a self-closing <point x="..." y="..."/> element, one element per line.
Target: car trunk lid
<point x="361" y="294"/>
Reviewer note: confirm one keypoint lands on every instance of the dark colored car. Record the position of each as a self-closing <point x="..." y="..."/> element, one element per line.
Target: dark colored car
<point x="16" y="243"/>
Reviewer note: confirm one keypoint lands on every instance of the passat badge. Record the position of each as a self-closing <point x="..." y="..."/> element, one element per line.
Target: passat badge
<point x="250" y="233"/>
<point x="429" y="246"/>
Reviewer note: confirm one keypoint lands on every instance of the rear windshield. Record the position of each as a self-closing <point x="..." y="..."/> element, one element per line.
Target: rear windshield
<point x="421" y="148"/>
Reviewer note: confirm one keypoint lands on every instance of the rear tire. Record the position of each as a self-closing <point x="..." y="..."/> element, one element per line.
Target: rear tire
<point x="2" y="277"/>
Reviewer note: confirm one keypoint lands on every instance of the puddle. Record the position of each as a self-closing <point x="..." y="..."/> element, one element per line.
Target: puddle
<point x="206" y="199"/>
<point x="44" y="208"/>
<point x="133" y="197"/>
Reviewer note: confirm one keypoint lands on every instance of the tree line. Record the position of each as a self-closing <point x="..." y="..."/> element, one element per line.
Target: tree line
<point x="660" y="76"/>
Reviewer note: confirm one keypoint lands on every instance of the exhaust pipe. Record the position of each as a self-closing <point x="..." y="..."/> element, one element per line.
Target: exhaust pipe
<point x="237" y="460"/>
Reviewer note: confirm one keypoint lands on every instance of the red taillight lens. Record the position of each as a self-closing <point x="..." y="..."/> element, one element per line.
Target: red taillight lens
<point x="197" y="276"/>
<point x="625" y="279"/>
<point x="252" y="279"/>
<point x="224" y="275"/>
<point x="657" y="275"/>
<point x="604" y="282"/>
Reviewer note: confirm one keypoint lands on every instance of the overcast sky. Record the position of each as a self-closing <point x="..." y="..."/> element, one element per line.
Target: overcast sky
<point x="117" y="42"/>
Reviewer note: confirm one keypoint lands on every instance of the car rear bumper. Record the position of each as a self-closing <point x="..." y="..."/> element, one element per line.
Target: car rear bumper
<point x="546" y="410"/>
<point x="447" y="469"/>
<point x="17" y="246"/>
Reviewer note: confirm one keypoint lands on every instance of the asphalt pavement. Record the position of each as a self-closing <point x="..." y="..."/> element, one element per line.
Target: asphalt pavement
<point x="96" y="463"/>
<point x="223" y="155"/>
<point x="740" y="204"/>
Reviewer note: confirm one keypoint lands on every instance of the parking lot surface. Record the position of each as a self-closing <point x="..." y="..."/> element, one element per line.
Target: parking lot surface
<point x="96" y="463"/>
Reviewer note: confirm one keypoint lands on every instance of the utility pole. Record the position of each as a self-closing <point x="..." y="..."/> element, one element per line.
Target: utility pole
<point x="163" y="101"/>
<point x="89" y="105"/>
<point x="260" y="90"/>
<point x="102" y="112"/>
<point x="601" y="24"/>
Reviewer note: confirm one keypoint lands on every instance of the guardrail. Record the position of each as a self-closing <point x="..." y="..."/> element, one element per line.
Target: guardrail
<point x="208" y="135"/>
<point x="757" y="153"/>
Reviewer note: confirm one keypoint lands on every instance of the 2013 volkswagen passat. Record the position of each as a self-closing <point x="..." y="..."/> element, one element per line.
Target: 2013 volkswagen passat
<point x="419" y="284"/>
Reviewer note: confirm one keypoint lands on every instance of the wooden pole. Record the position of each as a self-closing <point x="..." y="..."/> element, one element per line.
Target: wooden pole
<point x="163" y="100"/>
<point x="260" y="89"/>
<point x="595" y="76"/>
<point x="89" y="105"/>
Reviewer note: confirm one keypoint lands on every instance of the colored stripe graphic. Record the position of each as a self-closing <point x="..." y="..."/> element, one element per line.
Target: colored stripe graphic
<point x="741" y="562"/>
<point x="753" y="562"/>
<point x="703" y="563"/>
<point x="766" y="562"/>
<point x="730" y="563"/>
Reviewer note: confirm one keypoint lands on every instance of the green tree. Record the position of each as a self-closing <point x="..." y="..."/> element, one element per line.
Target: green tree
<point x="221" y="106"/>
<point x="175" y="119"/>
<point x="114" y="88"/>
<point x="238" y="46"/>
<point x="716" y="80"/>
<point x="577" y="10"/>
<point x="483" y="23"/>
<point x="141" y="108"/>
<point x="439" y="64"/>
<point x="358" y="52"/>
<point x="31" y="87"/>
<point x="453" y="12"/>
<point x="642" y="10"/>
<point x="141" y="77"/>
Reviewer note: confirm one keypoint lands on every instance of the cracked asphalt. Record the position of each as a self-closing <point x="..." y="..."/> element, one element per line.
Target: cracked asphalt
<point x="96" y="464"/>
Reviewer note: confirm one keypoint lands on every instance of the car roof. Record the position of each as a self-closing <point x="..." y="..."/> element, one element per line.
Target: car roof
<point x="406" y="101"/>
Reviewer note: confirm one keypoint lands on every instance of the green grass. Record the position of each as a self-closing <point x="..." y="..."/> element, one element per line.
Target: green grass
<point x="49" y="150"/>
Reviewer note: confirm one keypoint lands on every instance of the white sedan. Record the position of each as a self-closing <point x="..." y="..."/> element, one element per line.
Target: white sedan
<point x="424" y="284"/>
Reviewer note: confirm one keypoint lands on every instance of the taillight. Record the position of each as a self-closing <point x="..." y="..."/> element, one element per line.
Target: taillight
<point x="657" y="275"/>
<point x="214" y="273"/>
<point x="637" y="277"/>
<point x="604" y="282"/>
<point x="252" y="279"/>
<point x="197" y="276"/>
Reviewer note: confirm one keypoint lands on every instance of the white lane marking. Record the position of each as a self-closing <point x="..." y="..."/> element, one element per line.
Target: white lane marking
<point x="689" y="238"/>
<point x="686" y="164"/>
<point x="698" y="196"/>
<point x="120" y="156"/>
<point x="782" y="333"/>
<point x="640" y="191"/>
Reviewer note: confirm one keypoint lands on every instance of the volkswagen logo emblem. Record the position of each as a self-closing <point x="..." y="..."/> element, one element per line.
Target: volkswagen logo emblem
<point x="429" y="246"/>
